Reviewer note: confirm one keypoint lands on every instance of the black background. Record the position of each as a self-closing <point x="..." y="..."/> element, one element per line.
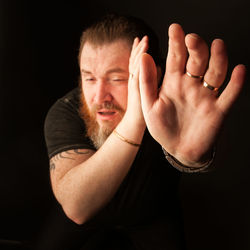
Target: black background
<point x="39" y="42"/>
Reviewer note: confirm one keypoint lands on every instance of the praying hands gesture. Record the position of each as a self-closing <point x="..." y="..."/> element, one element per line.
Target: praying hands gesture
<point x="185" y="115"/>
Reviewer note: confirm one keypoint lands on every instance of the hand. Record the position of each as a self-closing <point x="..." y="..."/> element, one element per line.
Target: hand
<point x="134" y="111"/>
<point x="184" y="116"/>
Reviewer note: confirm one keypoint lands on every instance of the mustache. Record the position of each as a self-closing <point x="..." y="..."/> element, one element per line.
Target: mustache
<point x="106" y="105"/>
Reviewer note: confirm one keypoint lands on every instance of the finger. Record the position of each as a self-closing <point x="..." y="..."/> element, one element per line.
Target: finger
<point x="134" y="49"/>
<point x="148" y="82"/>
<point x="142" y="48"/>
<point x="233" y="89"/>
<point x="135" y="43"/>
<point x="198" y="54"/>
<point x="139" y="47"/>
<point x="177" y="52"/>
<point x="218" y="64"/>
<point x="134" y="46"/>
<point x="135" y="64"/>
<point x="135" y="61"/>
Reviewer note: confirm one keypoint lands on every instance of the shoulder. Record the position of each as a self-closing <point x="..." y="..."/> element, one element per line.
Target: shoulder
<point x="64" y="114"/>
<point x="68" y="102"/>
<point x="64" y="128"/>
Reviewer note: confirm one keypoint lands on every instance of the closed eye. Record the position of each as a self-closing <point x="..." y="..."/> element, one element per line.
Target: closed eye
<point x="119" y="79"/>
<point x="89" y="79"/>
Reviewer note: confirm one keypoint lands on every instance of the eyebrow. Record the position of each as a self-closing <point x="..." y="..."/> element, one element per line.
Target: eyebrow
<point x="110" y="71"/>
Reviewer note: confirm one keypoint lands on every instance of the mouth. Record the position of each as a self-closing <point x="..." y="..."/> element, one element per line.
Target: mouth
<point x="106" y="114"/>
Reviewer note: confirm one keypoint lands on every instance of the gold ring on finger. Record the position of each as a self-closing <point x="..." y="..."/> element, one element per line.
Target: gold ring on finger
<point x="210" y="87"/>
<point x="194" y="76"/>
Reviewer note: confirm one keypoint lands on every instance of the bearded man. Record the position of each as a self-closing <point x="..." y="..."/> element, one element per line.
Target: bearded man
<point x="118" y="143"/>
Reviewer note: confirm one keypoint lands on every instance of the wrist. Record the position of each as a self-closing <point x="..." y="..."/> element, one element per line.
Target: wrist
<point x="190" y="167"/>
<point x="131" y="129"/>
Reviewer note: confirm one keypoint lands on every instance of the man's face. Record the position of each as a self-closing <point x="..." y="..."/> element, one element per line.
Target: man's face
<point x="104" y="74"/>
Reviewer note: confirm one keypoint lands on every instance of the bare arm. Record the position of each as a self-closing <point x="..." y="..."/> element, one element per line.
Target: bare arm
<point x="84" y="181"/>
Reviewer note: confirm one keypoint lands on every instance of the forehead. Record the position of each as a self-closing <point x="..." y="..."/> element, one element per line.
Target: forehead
<point x="115" y="54"/>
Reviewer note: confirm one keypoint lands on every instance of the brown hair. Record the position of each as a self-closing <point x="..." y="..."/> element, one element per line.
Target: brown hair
<point x="113" y="27"/>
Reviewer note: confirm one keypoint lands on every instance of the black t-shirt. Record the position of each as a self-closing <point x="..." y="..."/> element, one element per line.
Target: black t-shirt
<point x="145" y="208"/>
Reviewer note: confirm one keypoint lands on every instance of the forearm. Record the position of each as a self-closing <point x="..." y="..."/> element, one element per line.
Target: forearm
<point x="88" y="186"/>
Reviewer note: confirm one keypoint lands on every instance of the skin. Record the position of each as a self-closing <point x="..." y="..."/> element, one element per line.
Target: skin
<point x="183" y="116"/>
<point x="104" y="79"/>
<point x="83" y="181"/>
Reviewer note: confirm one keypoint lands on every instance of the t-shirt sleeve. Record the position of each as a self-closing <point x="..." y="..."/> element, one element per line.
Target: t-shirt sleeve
<point x="64" y="129"/>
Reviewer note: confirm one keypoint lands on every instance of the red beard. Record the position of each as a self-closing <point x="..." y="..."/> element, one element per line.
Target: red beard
<point x="98" y="134"/>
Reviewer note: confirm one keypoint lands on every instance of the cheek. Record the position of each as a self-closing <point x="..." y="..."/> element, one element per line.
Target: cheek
<point x="87" y="94"/>
<point x="122" y="97"/>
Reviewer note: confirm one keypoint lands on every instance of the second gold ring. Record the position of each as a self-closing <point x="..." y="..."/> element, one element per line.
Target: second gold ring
<point x="194" y="76"/>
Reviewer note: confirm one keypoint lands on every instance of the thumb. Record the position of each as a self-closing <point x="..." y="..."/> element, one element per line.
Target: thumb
<point x="148" y="82"/>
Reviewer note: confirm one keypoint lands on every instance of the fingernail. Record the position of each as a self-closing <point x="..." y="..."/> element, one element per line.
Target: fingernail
<point x="194" y="35"/>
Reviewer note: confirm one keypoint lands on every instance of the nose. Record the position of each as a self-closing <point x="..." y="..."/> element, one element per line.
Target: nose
<point x="102" y="93"/>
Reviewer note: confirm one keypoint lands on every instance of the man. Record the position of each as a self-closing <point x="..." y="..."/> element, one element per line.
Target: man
<point x="108" y="140"/>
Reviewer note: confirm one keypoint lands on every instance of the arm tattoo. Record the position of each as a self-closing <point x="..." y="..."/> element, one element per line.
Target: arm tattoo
<point x="63" y="155"/>
<point x="85" y="152"/>
<point x="66" y="155"/>
<point x="52" y="165"/>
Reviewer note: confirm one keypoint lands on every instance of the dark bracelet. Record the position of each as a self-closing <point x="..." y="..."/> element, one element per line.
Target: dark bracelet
<point x="186" y="169"/>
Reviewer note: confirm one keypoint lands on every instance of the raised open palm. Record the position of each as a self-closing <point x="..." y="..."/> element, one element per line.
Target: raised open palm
<point x="185" y="115"/>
